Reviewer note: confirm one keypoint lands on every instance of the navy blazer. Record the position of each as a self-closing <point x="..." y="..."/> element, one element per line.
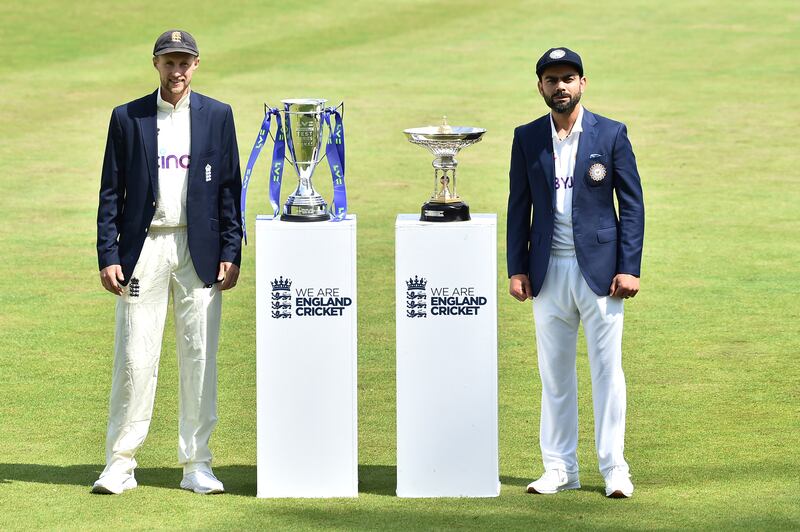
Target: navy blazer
<point x="129" y="184"/>
<point x="605" y="244"/>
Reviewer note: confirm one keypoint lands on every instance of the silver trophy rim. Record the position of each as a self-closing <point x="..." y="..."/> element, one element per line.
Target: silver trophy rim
<point x="305" y="101"/>
<point x="434" y="133"/>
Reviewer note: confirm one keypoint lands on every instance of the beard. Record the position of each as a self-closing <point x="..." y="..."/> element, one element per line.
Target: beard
<point x="562" y="107"/>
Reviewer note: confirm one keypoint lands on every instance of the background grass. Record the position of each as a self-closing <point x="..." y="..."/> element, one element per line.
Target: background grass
<point x="709" y="90"/>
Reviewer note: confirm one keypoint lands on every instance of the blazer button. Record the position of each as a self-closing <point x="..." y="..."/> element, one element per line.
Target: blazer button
<point x="145" y="229"/>
<point x="154" y="204"/>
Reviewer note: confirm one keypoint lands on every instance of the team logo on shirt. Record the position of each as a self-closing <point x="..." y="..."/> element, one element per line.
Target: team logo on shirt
<point x="597" y="172"/>
<point x="208" y="172"/>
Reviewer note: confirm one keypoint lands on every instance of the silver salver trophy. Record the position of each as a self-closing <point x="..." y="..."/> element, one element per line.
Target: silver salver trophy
<point x="302" y="127"/>
<point x="444" y="142"/>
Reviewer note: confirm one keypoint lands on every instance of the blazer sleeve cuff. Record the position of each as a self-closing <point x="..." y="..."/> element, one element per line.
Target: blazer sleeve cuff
<point x="107" y="259"/>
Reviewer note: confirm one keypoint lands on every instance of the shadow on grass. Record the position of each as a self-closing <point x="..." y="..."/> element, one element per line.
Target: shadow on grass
<point x="382" y="480"/>
<point x="238" y="479"/>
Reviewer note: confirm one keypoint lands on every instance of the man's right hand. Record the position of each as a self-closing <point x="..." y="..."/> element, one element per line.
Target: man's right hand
<point x="111" y="276"/>
<point x="519" y="286"/>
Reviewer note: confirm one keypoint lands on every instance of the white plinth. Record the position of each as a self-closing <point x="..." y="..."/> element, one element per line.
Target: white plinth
<point x="306" y="358"/>
<point x="447" y="357"/>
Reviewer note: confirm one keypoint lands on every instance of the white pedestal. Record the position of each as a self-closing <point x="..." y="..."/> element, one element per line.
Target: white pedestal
<point x="446" y="294"/>
<point x="306" y="358"/>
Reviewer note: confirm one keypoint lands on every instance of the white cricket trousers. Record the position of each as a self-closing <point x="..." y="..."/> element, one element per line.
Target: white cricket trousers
<point x="564" y="301"/>
<point x="164" y="268"/>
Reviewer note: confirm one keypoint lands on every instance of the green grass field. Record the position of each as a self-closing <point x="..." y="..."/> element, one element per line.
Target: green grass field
<point x="709" y="91"/>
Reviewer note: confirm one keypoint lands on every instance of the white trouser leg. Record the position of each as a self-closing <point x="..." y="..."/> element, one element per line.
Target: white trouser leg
<point x="602" y="319"/>
<point x="197" y="321"/>
<point x="556" y="318"/>
<point x="140" y="315"/>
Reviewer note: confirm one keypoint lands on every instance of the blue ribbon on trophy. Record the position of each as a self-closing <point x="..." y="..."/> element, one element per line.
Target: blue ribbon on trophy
<point x="335" y="153"/>
<point x="276" y="170"/>
<point x="302" y="129"/>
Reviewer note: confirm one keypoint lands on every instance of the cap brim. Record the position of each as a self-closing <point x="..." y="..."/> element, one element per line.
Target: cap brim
<point x="555" y="62"/>
<point x="181" y="50"/>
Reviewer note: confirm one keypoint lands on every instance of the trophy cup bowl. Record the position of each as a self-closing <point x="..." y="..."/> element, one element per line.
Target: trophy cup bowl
<point x="444" y="142"/>
<point x="302" y="126"/>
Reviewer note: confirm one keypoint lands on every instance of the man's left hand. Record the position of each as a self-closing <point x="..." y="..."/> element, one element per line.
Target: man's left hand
<point x="624" y="285"/>
<point x="228" y="275"/>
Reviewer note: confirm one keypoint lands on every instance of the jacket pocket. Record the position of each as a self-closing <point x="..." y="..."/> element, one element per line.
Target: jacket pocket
<point x="608" y="234"/>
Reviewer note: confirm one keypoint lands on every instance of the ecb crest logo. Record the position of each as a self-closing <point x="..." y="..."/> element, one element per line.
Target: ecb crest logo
<point x="281" y="298"/>
<point x="443" y="300"/>
<point x="416" y="298"/>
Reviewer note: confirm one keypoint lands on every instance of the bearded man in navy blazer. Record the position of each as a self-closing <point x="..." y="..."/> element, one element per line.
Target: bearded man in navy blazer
<point x="570" y="251"/>
<point x="168" y="224"/>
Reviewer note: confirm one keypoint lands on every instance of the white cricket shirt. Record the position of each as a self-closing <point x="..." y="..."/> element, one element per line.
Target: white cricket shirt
<point x="174" y="147"/>
<point x="564" y="153"/>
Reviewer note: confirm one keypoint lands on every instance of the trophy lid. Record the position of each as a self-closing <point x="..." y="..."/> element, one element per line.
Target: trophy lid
<point x="444" y="133"/>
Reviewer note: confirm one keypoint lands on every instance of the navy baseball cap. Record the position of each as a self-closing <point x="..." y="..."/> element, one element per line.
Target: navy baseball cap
<point x="175" y="41"/>
<point x="559" y="56"/>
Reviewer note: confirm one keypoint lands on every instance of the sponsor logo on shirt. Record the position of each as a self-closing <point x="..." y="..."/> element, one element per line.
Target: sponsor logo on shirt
<point x="165" y="162"/>
<point x="565" y="182"/>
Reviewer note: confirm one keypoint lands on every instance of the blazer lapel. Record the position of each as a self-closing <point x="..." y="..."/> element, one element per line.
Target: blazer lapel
<point x="199" y="136"/>
<point x="547" y="160"/>
<point x="585" y="146"/>
<point x="148" y="129"/>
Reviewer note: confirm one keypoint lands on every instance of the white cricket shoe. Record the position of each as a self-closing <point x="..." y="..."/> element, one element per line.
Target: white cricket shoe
<point x="618" y="483"/>
<point x="203" y="482"/>
<point x="114" y="484"/>
<point x="553" y="481"/>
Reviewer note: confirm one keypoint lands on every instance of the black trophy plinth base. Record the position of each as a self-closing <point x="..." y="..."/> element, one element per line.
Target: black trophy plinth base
<point x="445" y="212"/>
<point x="305" y="217"/>
<point x="305" y="213"/>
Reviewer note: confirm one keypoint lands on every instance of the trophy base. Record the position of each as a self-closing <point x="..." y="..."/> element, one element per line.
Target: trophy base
<point x="305" y="213"/>
<point x="445" y="212"/>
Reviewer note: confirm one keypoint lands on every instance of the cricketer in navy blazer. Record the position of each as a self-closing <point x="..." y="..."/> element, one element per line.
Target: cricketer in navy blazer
<point x="129" y="185"/>
<point x="606" y="244"/>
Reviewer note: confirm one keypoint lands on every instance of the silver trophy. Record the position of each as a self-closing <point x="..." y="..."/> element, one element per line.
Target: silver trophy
<point x="302" y="126"/>
<point x="444" y="142"/>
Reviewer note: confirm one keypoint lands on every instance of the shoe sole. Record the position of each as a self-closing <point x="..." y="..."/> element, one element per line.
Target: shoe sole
<point x="201" y="492"/>
<point x="102" y="490"/>
<point x="572" y="486"/>
<point x="99" y="489"/>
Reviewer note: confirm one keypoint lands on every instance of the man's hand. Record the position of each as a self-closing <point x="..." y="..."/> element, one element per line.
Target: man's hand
<point x="111" y="276"/>
<point x="624" y="285"/>
<point x="228" y="275"/>
<point x="519" y="286"/>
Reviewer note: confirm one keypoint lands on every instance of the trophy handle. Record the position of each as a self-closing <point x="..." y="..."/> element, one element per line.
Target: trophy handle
<point x="267" y="109"/>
